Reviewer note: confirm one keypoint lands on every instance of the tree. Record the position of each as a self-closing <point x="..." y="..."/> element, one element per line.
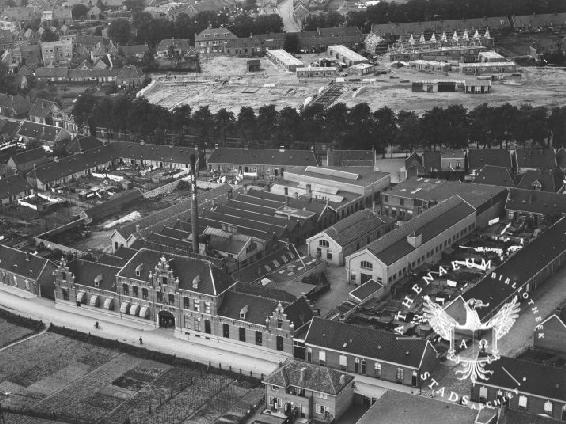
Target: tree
<point x="223" y="121"/>
<point x="120" y="31"/>
<point x="247" y="122"/>
<point x="249" y="5"/>
<point x="79" y="11"/>
<point x="49" y="35"/>
<point x="203" y="120"/>
<point x="407" y="136"/>
<point x="291" y="43"/>
<point x="266" y="120"/>
<point x="385" y="127"/>
<point x="134" y="5"/>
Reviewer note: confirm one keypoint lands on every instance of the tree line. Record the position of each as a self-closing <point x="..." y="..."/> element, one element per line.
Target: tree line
<point x="343" y="127"/>
<point x="147" y="29"/>
<point x="427" y="10"/>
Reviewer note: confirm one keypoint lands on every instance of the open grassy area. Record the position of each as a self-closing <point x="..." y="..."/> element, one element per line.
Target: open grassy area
<point x="79" y="382"/>
<point x="10" y="333"/>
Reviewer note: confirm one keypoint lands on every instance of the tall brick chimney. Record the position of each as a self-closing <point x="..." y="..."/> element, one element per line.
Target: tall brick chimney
<point x="194" y="206"/>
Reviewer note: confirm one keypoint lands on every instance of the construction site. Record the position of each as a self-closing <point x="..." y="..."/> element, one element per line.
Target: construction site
<point x="226" y="83"/>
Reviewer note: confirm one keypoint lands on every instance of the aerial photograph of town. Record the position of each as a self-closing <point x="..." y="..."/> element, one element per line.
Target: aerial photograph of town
<point x="282" y="211"/>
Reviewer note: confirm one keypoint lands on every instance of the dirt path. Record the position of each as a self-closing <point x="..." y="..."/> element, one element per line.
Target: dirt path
<point x="285" y="9"/>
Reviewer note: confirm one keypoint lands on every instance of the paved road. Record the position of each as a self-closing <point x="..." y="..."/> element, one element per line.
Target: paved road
<point x="285" y="9"/>
<point x="548" y="297"/>
<point x="204" y="351"/>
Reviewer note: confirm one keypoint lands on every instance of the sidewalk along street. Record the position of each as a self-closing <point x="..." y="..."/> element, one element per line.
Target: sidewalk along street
<point x="212" y="353"/>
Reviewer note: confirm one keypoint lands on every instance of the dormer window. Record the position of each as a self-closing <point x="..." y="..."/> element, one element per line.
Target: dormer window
<point x="196" y="282"/>
<point x="164" y="281"/>
<point x="244" y="312"/>
<point x="139" y="269"/>
<point x="98" y="280"/>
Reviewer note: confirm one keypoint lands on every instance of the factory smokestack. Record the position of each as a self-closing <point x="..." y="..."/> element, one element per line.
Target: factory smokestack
<point x="194" y="206"/>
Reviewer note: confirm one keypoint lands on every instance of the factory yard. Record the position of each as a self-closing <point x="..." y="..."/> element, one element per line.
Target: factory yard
<point x="225" y="82"/>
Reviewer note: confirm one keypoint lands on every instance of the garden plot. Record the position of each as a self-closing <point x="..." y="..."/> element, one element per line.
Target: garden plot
<point x="10" y="333"/>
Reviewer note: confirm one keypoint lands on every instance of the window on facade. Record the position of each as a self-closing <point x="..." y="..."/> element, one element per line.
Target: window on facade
<point x="322" y="357"/>
<point x="402" y="202"/>
<point x="279" y="323"/>
<point x="377" y="369"/>
<point x="367" y="265"/>
<point x="207" y="307"/>
<point x="329" y="256"/>
<point x="385" y="199"/>
<point x="125" y="290"/>
<point x="399" y="375"/>
<point x="135" y="291"/>
<point x="65" y="294"/>
<point x="363" y="367"/>
<point x="259" y="338"/>
<point x="548" y="407"/>
<point x="160" y="297"/>
<point x="171" y="299"/>
<point x="242" y="335"/>
<point x="145" y="293"/>
<point x="343" y="361"/>
<point x="196" y="305"/>
<point x="226" y="331"/>
<point x="186" y="302"/>
<point x="523" y="402"/>
<point x="323" y="243"/>
<point x="309" y="354"/>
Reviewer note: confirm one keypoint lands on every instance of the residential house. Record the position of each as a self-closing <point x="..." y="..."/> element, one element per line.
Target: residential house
<point x="346" y="190"/>
<point x="52" y="74"/>
<point x="347" y="236"/>
<point x="536" y="205"/>
<point x="81" y="144"/>
<point x="369" y="352"/>
<point x="46" y="134"/>
<point x="542" y="180"/>
<point x="319" y="40"/>
<point x="402" y="408"/>
<point x="12" y="188"/>
<point x="213" y="40"/>
<point x="495" y="175"/>
<point x="26" y="271"/>
<point x="478" y="158"/>
<point x="412" y="197"/>
<point x="56" y="53"/>
<point x="535" y="159"/>
<point x="30" y="55"/>
<point x="173" y="46"/>
<point x="540" y="392"/>
<point x="21" y="15"/>
<point x="439" y="162"/>
<point x="47" y="112"/>
<point x="550" y="334"/>
<point x="308" y="391"/>
<point x="28" y="159"/>
<point x="93" y="13"/>
<point x="420" y="240"/>
<point x="528" y="269"/>
<point x="14" y="106"/>
<point x="252" y="46"/>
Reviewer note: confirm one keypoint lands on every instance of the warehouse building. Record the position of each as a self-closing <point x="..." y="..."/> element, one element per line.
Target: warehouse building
<point x="345" y="55"/>
<point x="285" y="60"/>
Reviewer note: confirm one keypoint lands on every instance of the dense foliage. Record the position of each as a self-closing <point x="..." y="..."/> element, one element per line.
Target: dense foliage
<point x="353" y="128"/>
<point x="424" y="10"/>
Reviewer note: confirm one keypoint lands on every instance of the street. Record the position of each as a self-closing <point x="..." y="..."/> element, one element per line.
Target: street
<point x="285" y="9"/>
<point x="162" y="340"/>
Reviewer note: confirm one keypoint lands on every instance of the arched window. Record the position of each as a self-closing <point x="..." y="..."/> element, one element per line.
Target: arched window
<point x="367" y="265"/>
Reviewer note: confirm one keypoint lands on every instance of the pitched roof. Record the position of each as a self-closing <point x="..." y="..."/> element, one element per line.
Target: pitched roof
<point x="42" y="108"/>
<point x="155" y="152"/>
<point x="433" y="221"/>
<point x="82" y="144"/>
<point x="37" y="155"/>
<point x="540" y="202"/>
<point x="114" y="204"/>
<point x="354" y="226"/>
<point x="536" y="379"/>
<point x="365" y="290"/>
<point x="9" y="128"/>
<point x="536" y="158"/>
<point x="177" y="43"/>
<point x="86" y="272"/>
<point x="542" y="179"/>
<point x="350" y="157"/>
<point x="212" y="280"/>
<point x="365" y="341"/>
<point x="309" y="376"/>
<point x="432" y="161"/>
<point x="478" y="158"/>
<point x="51" y="72"/>
<point x="519" y="268"/>
<point x="134" y="50"/>
<point x="20" y="104"/>
<point x="403" y="408"/>
<point x="22" y="263"/>
<point x="262" y="157"/>
<point x="519" y="417"/>
<point x="46" y="133"/>
<point x="12" y="186"/>
<point x="495" y="175"/>
<point x="215" y="34"/>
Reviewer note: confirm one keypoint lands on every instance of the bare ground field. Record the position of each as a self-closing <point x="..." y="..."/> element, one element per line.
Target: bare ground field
<point x="225" y="83"/>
